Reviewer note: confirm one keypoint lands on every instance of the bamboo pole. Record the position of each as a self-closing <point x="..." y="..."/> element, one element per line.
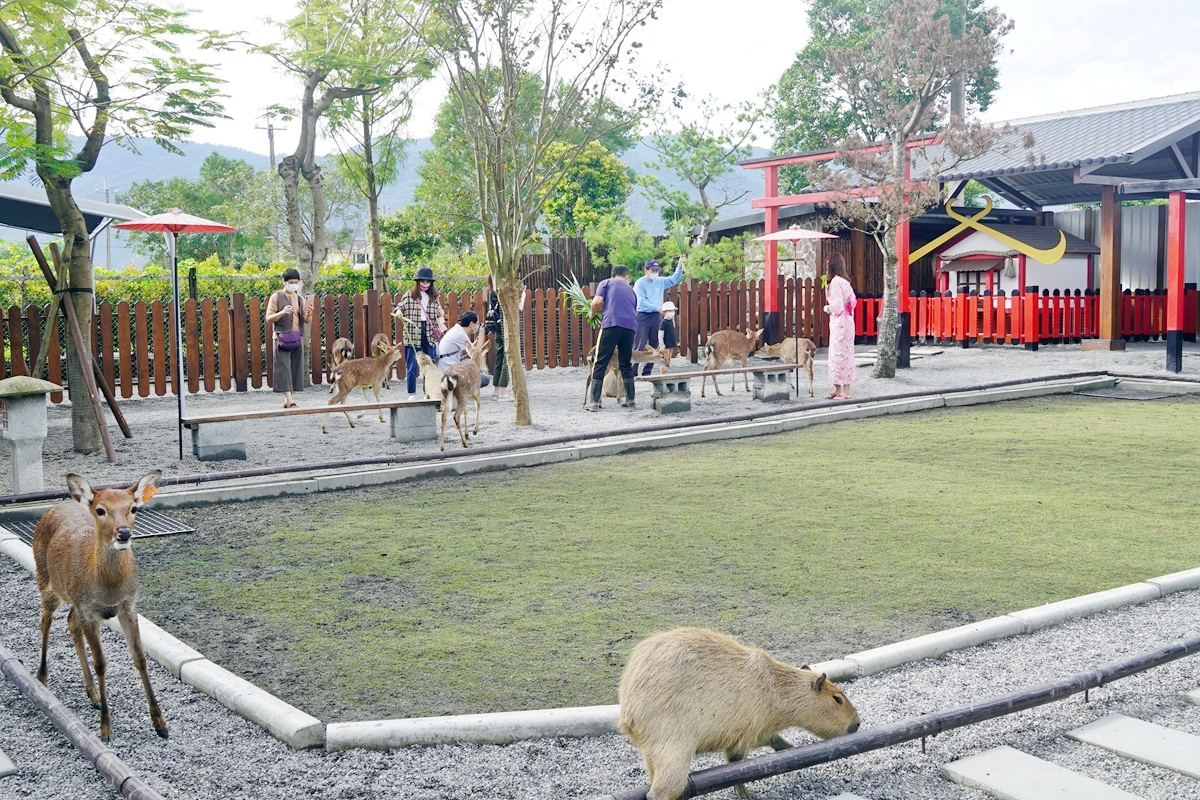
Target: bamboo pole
<point x="931" y="724"/>
<point x="99" y="754"/>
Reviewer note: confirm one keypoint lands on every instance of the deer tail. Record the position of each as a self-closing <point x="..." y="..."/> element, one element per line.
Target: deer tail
<point x="449" y="382"/>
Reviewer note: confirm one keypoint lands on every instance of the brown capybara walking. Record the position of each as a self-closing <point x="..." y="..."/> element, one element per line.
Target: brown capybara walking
<point x="693" y="690"/>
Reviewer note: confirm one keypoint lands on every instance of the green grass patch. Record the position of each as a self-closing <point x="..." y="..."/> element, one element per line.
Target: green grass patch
<point x="528" y="588"/>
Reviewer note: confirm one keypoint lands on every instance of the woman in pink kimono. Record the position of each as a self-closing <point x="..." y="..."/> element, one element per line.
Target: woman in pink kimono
<point x="841" y="301"/>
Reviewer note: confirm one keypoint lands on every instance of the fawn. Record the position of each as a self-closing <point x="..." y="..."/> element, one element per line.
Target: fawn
<point x="722" y="346"/>
<point x="459" y="382"/>
<point x="793" y="350"/>
<point x="360" y="374"/>
<point x="337" y="353"/>
<point x="82" y="556"/>
<point x="379" y="343"/>
<point x="613" y="385"/>
<point x="431" y="375"/>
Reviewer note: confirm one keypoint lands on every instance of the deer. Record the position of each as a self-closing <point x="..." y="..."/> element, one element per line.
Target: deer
<point x="793" y="350"/>
<point x="362" y="373"/>
<point x="459" y="382"/>
<point x="379" y="343"/>
<point x="431" y="376"/>
<point x="82" y="557"/>
<point x="613" y="385"/>
<point x="336" y="353"/>
<point x="722" y="346"/>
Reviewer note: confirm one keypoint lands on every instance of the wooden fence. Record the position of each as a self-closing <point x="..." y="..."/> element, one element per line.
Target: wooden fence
<point x="226" y="342"/>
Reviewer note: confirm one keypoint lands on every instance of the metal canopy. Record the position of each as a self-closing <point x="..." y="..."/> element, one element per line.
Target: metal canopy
<point x="1145" y="149"/>
<point x="26" y="208"/>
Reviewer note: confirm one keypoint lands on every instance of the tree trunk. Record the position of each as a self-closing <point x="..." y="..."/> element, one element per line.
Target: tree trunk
<point x="378" y="277"/>
<point x="889" y="320"/>
<point x="85" y="432"/>
<point x="509" y="292"/>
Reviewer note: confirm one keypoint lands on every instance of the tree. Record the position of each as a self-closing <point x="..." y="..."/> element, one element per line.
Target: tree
<point x="369" y="129"/>
<point x="699" y="154"/>
<point x="597" y="184"/>
<point x="111" y="71"/>
<point x="336" y="61"/>
<point x="576" y="52"/>
<point x="898" y="82"/>
<point x="814" y="113"/>
<point x="225" y="191"/>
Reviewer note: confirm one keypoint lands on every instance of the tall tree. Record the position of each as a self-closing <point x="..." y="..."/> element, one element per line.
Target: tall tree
<point x="597" y="185"/>
<point x="700" y="153"/>
<point x="108" y="70"/>
<point x="899" y="82"/>
<point x="577" y="54"/>
<point x="813" y="112"/>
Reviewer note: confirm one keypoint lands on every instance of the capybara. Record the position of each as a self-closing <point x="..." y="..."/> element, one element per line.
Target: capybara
<point x="693" y="690"/>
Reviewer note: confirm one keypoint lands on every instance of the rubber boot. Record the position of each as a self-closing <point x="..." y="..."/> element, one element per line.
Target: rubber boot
<point x="628" y="401"/>
<point x="593" y="403"/>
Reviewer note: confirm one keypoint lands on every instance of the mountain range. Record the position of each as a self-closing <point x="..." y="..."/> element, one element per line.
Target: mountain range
<point x="142" y="160"/>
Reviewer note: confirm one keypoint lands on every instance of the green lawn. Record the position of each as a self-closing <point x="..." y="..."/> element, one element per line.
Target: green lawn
<point x="528" y="588"/>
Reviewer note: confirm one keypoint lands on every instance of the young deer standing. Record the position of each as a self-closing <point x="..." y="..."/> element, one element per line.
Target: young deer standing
<point x="613" y="385"/>
<point x="722" y="346"/>
<point x="459" y="382"/>
<point x="82" y="556"/>
<point x="793" y="350"/>
<point x="362" y="373"/>
<point x="379" y="343"/>
<point x="431" y="376"/>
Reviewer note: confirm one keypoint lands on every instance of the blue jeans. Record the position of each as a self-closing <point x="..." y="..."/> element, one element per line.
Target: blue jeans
<point x="648" y="323"/>
<point x="411" y="370"/>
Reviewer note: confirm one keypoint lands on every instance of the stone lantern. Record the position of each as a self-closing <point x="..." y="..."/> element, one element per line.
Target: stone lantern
<point x="23" y="426"/>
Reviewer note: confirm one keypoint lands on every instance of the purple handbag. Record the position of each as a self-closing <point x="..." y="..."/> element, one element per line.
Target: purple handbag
<point x="289" y="340"/>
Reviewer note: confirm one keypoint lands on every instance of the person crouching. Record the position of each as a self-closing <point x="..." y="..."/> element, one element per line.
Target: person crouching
<point x="453" y="346"/>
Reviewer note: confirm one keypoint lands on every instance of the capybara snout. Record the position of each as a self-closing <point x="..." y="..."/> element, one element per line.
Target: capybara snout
<point x="693" y="690"/>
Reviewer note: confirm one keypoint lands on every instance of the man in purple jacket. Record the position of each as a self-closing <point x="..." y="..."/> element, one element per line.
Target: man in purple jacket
<point x="616" y="299"/>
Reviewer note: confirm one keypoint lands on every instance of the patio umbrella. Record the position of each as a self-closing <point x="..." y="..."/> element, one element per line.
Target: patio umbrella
<point x="176" y="222"/>
<point x="793" y="234"/>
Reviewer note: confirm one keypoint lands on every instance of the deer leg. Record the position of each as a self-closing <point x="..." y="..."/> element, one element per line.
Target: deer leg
<point x="477" y="405"/>
<point x="745" y="377"/>
<point x="367" y="399"/>
<point x="377" y="401"/>
<point x="129" y="624"/>
<point x="808" y="369"/>
<point x="75" y="628"/>
<point x="442" y="434"/>
<point x="50" y="603"/>
<point x="91" y="630"/>
<point x="460" y="412"/>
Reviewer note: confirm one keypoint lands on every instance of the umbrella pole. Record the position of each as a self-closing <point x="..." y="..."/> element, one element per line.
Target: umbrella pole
<point x="178" y="339"/>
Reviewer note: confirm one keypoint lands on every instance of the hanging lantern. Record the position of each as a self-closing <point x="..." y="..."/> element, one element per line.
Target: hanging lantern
<point x="1010" y="269"/>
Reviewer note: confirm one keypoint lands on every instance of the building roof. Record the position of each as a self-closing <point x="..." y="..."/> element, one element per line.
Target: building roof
<point x="1040" y="237"/>
<point x="1153" y="139"/>
<point x="27" y="208"/>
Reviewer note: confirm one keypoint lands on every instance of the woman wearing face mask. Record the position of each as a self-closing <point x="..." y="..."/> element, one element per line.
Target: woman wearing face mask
<point x="424" y="323"/>
<point x="289" y="312"/>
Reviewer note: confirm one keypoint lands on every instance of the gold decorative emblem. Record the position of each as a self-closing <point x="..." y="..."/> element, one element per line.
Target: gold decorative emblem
<point x="1050" y="256"/>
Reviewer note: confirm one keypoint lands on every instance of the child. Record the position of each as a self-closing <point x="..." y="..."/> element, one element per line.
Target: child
<point x="667" y="328"/>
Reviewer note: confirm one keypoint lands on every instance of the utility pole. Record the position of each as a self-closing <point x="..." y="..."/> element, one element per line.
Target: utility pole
<point x="107" y="234"/>
<point x="270" y="129"/>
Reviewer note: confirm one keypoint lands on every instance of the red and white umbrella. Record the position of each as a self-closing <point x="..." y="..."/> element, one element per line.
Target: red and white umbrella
<point x="794" y="234"/>
<point x="176" y="222"/>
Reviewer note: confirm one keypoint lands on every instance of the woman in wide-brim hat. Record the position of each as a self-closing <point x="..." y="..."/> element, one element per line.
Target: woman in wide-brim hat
<point x="424" y="321"/>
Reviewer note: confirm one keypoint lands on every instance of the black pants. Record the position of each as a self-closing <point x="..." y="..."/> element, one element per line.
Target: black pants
<point x="619" y="340"/>
<point x="648" y="323"/>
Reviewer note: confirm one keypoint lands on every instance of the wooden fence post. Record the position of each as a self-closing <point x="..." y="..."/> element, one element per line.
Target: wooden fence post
<point x="239" y="340"/>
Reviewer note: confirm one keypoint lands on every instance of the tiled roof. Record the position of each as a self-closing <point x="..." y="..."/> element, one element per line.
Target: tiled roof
<point x="1040" y="237"/>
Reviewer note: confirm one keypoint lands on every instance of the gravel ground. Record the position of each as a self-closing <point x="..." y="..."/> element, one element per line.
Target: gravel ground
<point x="214" y="754"/>
<point x="556" y="399"/>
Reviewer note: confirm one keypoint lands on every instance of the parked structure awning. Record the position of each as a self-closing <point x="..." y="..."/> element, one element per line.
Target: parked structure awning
<point x="26" y="208"/>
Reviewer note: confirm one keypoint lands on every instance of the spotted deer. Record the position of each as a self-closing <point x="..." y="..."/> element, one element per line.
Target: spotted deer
<point x="379" y="343"/>
<point x="725" y="345"/>
<point x="362" y="373"/>
<point x="337" y="353"/>
<point x="459" y="382"/>
<point x="613" y="385"/>
<point x="793" y="350"/>
<point x="82" y="557"/>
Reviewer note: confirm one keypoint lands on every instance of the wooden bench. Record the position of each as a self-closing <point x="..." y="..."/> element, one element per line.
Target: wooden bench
<point x="671" y="394"/>
<point x="218" y="437"/>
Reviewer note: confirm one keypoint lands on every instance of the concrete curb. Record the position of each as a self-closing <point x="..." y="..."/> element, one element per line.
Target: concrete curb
<point x="283" y="721"/>
<point x="501" y="728"/>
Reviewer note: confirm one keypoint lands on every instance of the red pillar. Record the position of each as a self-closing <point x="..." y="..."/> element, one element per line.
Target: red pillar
<point x="770" y="318"/>
<point x="903" y="336"/>
<point x="1176" y="313"/>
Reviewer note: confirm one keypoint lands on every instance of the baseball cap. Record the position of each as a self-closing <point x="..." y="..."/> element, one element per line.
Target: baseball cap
<point x="668" y="306"/>
<point x="651" y="264"/>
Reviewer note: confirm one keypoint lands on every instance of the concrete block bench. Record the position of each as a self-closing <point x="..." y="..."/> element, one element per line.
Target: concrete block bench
<point x="223" y="436"/>
<point x="772" y="385"/>
<point x="671" y="393"/>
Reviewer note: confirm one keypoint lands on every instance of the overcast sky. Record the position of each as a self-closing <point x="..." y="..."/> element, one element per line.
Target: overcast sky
<point x="1062" y="55"/>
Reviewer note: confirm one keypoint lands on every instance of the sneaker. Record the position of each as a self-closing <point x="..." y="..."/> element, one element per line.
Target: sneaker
<point x="503" y="398"/>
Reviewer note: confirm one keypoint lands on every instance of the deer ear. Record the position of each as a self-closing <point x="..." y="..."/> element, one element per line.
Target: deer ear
<point x="79" y="489"/>
<point x="819" y="683"/>
<point x="146" y="487"/>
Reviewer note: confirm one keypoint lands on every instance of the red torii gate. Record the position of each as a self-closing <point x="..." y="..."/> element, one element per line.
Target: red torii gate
<point x="772" y="201"/>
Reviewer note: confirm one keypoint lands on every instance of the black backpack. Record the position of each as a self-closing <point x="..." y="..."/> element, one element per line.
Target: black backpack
<point x="493" y="321"/>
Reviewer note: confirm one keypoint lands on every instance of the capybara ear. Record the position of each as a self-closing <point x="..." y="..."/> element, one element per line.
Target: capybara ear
<point x="804" y="666"/>
<point x="79" y="489"/>
<point x="819" y="683"/>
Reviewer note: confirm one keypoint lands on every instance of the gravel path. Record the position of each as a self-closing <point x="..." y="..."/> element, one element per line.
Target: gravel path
<point x="214" y="754"/>
<point x="556" y="396"/>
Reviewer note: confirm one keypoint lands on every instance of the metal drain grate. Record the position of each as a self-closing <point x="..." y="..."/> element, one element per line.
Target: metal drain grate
<point x="1126" y="393"/>
<point x="149" y="523"/>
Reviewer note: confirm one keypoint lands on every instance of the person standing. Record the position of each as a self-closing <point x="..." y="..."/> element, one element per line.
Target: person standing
<point x="424" y="321"/>
<point x="617" y="303"/>
<point x="493" y="323"/>
<point x="840" y="299"/>
<point x="667" y="329"/>
<point x="649" y="290"/>
<point x="288" y="312"/>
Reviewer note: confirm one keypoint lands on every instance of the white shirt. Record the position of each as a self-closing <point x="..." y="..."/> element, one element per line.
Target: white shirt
<point x="450" y="348"/>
